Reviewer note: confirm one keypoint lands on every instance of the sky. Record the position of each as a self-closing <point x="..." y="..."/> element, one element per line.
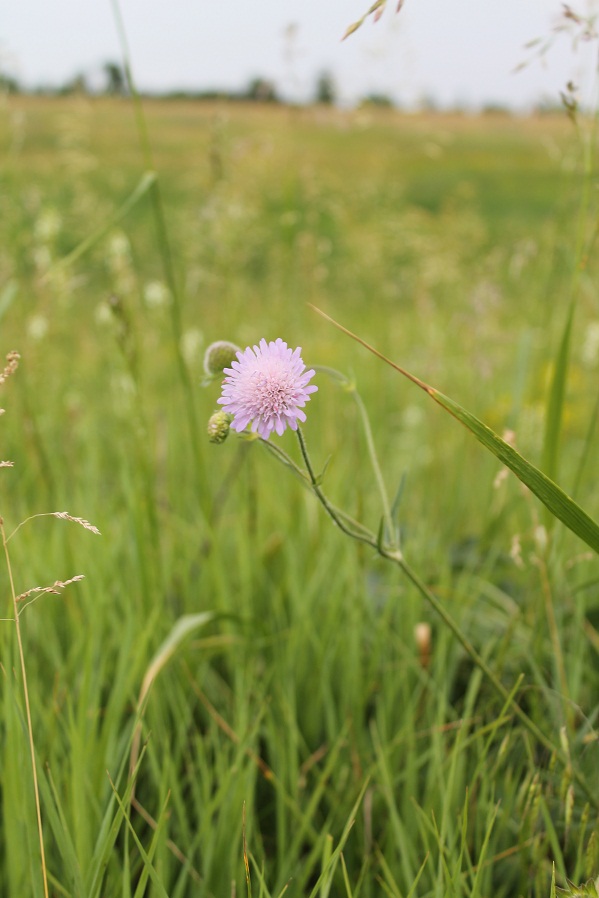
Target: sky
<point x="457" y="52"/>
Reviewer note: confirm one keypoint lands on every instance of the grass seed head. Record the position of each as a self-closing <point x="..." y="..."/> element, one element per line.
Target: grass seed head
<point x="12" y="363"/>
<point x="55" y="589"/>
<point x="65" y="516"/>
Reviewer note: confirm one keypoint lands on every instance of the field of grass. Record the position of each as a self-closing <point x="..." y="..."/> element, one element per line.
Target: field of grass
<point x="261" y="671"/>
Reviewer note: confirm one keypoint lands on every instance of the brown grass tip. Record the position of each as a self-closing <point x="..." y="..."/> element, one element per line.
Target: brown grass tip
<point x="55" y="589"/>
<point x="65" y="516"/>
<point x="12" y="363"/>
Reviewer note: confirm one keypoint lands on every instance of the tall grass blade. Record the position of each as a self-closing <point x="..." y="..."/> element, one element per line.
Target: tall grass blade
<point x="56" y="818"/>
<point x="148" y="866"/>
<point x="348" y="888"/>
<point x="412" y="892"/>
<point x="164" y="248"/>
<point x="186" y="624"/>
<point x="264" y="890"/>
<point x="551" y="495"/>
<point x="108" y="832"/>
<point x="327" y="873"/>
<point x="477" y="884"/>
<point x="145" y="183"/>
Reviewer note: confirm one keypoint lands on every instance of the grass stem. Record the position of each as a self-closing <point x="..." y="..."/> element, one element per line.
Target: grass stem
<point x="164" y="248"/>
<point x="27" y="711"/>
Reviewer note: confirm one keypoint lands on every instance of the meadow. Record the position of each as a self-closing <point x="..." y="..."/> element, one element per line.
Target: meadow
<point x="294" y="715"/>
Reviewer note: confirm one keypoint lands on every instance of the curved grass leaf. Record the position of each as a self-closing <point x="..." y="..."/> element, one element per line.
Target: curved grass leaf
<point x="551" y="495"/>
<point x="185" y="625"/>
<point x="147" y="181"/>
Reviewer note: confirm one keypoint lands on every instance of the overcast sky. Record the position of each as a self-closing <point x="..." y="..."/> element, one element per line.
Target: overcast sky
<point x="457" y="51"/>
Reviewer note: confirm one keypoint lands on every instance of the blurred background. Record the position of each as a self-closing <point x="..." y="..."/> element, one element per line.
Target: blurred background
<point x="459" y="54"/>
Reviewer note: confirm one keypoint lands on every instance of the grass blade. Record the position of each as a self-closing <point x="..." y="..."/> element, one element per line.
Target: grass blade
<point x="58" y="824"/>
<point x="327" y="874"/>
<point x="148" y="868"/>
<point x="109" y="830"/>
<point x="185" y="625"/>
<point x="551" y="495"/>
<point x="145" y="183"/>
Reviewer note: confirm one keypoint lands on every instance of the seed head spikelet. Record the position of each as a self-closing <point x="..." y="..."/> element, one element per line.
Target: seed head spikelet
<point x="12" y="362"/>
<point x="267" y="386"/>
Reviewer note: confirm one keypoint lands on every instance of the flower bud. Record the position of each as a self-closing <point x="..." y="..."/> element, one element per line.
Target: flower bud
<point x="423" y="639"/>
<point x="219" y="355"/>
<point x="218" y="426"/>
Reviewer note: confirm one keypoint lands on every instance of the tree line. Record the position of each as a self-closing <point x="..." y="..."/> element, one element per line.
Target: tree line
<point x="111" y="80"/>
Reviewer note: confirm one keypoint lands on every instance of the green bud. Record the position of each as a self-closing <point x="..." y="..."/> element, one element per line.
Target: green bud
<point x="218" y="426"/>
<point x="219" y="355"/>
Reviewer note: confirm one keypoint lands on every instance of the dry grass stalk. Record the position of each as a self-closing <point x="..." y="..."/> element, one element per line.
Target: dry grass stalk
<point x="65" y="516"/>
<point x="12" y="363"/>
<point x="55" y="589"/>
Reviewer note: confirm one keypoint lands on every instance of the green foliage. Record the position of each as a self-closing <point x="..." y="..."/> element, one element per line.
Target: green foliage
<point x="298" y="725"/>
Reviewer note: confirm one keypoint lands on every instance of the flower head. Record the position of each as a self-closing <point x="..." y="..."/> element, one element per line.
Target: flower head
<point x="267" y="385"/>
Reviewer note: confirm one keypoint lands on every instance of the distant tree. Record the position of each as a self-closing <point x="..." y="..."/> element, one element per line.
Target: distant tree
<point x="326" y="91"/>
<point x="76" y="85"/>
<point x="8" y="84"/>
<point x="381" y="100"/>
<point x="261" y="90"/>
<point x="428" y="103"/>
<point x="116" y="80"/>
<point x="493" y="108"/>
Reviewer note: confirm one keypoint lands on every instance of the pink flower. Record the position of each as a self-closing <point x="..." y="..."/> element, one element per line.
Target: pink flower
<point x="268" y="386"/>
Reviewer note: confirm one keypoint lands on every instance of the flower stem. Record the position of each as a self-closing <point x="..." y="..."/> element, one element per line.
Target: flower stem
<point x="330" y="509"/>
<point x="27" y="711"/>
<point x="353" y="525"/>
<point x="374" y="461"/>
<point x="350" y="386"/>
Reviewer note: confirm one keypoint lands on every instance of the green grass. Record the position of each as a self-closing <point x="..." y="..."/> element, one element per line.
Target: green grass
<point x="303" y="705"/>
